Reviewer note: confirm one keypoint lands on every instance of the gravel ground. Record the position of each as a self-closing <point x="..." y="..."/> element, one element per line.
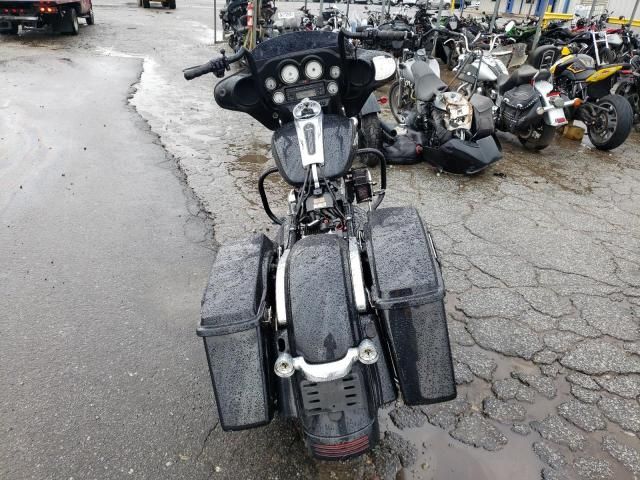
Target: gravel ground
<point x="541" y="259"/>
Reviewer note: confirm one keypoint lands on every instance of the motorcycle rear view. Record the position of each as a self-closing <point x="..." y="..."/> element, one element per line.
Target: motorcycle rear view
<point x="323" y="322"/>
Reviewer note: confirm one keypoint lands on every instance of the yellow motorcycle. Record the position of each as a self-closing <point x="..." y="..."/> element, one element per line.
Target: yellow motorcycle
<point x="608" y="117"/>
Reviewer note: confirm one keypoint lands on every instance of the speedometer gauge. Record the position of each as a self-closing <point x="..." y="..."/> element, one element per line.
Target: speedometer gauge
<point x="289" y="74"/>
<point x="313" y="70"/>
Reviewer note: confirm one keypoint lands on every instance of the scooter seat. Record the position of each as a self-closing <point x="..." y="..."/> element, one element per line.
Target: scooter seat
<point x="428" y="84"/>
<point x="522" y="75"/>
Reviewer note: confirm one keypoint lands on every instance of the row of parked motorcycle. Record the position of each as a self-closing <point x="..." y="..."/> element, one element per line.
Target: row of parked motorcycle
<point x="587" y="72"/>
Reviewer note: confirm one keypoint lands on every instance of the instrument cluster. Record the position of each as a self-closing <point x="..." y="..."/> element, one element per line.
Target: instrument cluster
<point x="309" y="78"/>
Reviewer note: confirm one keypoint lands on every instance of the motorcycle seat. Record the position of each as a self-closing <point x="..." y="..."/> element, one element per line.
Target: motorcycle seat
<point x="427" y="83"/>
<point x="522" y="75"/>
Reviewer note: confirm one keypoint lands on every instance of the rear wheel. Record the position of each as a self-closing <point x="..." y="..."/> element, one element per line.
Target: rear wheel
<point x="172" y="4"/>
<point x="72" y="26"/>
<point x="538" y="138"/>
<point x="90" y="18"/>
<point x="146" y="4"/>
<point x="613" y="123"/>
<point x="370" y="137"/>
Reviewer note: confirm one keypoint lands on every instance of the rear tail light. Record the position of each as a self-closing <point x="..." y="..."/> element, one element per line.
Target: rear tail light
<point x="342" y="450"/>
<point x="383" y="100"/>
<point x="48" y="9"/>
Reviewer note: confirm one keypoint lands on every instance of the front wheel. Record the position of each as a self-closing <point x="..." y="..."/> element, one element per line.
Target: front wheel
<point x="631" y="92"/>
<point x="538" y="138"/>
<point x="370" y="137"/>
<point x="399" y="102"/>
<point x="613" y="123"/>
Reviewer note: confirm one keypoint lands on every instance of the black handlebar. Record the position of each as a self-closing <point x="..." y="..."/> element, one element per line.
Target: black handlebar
<point x="216" y="66"/>
<point x="373" y="34"/>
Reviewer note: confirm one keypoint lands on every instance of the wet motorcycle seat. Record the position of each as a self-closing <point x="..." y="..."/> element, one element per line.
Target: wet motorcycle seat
<point x="522" y="75"/>
<point x="427" y="82"/>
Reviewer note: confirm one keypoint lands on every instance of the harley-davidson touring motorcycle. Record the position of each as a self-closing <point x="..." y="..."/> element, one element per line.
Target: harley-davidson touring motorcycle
<point x="526" y="103"/>
<point x="451" y="132"/>
<point x="323" y="322"/>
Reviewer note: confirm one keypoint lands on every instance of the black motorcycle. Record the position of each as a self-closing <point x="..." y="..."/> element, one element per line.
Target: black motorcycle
<point x="322" y="322"/>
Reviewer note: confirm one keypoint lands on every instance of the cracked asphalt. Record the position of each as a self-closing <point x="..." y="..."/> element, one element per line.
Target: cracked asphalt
<point x="541" y="259"/>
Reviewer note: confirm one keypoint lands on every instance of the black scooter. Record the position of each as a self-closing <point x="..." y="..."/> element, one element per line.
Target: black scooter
<point x="322" y="322"/>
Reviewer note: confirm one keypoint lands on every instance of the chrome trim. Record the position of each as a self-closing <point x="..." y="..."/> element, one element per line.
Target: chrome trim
<point x="357" y="279"/>
<point x="281" y="294"/>
<point x="308" y="120"/>
<point x="366" y="353"/>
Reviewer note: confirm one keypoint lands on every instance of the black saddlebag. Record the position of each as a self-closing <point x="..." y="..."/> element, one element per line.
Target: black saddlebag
<point x="234" y="339"/>
<point x="464" y="157"/>
<point x="483" y="124"/>
<point x="408" y="291"/>
<point x="516" y="104"/>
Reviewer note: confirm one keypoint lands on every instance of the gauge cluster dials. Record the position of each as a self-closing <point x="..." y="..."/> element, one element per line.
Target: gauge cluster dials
<point x="334" y="72"/>
<point x="289" y="74"/>
<point x="313" y="70"/>
<point x="270" y="83"/>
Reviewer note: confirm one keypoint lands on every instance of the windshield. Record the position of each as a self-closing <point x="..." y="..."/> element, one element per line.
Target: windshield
<point x="294" y="42"/>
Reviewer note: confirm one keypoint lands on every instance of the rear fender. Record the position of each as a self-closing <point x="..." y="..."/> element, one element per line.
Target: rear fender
<point x="338" y="416"/>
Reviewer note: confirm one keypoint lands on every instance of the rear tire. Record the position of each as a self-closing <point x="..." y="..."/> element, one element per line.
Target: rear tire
<point x="90" y="18"/>
<point x="172" y="4"/>
<point x="146" y="4"/>
<point x="611" y="131"/>
<point x="539" y="138"/>
<point x="370" y="137"/>
<point x="72" y="26"/>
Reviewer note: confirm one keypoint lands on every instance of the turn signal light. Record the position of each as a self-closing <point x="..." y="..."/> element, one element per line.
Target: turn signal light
<point x="48" y="9"/>
<point x="577" y="102"/>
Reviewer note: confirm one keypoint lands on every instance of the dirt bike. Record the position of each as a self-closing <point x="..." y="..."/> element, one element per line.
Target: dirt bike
<point x="322" y="322"/>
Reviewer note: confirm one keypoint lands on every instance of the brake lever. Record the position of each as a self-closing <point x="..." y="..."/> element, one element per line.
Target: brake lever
<point x="221" y="65"/>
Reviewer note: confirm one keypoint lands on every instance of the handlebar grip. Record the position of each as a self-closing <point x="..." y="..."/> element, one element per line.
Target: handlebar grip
<point x="198" y="71"/>
<point x="212" y="65"/>
<point x="373" y="33"/>
<point x="386" y="35"/>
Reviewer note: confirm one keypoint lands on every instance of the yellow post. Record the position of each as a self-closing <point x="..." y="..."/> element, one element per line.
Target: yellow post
<point x="623" y="21"/>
